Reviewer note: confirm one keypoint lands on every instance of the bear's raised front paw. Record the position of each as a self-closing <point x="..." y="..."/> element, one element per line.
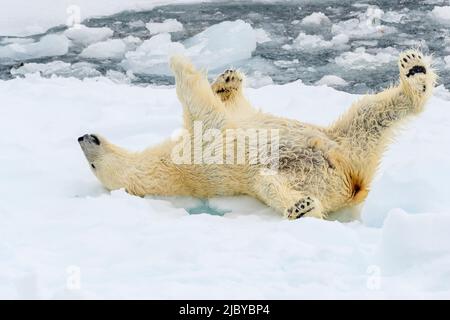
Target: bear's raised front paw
<point x="302" y="207"/>
<point x="227" y="84"/>
<point x="414" y="70"/>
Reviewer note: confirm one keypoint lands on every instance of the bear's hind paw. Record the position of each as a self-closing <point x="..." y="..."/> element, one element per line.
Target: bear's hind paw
<point x="307" y="206"/>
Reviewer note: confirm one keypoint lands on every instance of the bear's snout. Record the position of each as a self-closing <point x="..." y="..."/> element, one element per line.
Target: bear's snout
<point x="90" y="138"/>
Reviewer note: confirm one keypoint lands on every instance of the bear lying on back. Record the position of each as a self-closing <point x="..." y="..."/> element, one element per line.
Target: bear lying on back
<point x="319" y="169"/>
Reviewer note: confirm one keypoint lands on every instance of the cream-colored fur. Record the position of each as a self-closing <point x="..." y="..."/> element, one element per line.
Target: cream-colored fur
<point x="321" y="169"/>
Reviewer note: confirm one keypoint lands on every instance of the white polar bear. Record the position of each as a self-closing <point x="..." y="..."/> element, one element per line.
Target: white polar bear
<point x="320" y="169"/>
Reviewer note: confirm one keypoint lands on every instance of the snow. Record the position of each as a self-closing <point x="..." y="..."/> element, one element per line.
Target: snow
<point x="407" y="239"/>
<point x="217" y="46"/>
<point x="25" y="17"/>
<point x="50" y="45"/>
<point x="169" y="25"/>
<point x="59" y="223"/>
<point x="86" y="36"/>
<point x="441" y="14"/>
<point x="331" y="81"/>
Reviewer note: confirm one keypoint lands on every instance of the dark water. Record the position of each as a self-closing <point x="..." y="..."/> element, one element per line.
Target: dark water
<point x="415" y="28"/>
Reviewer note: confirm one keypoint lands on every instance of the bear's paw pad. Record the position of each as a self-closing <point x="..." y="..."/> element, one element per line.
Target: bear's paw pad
<point x="300" y="208"/>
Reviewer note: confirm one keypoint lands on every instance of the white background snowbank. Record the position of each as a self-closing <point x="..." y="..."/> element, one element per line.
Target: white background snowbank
<point x="56" y="217"/>
<point x="25" y="17"/>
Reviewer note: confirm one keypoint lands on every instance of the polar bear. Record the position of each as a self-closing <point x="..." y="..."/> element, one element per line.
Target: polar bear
<point x="320" y="169"/>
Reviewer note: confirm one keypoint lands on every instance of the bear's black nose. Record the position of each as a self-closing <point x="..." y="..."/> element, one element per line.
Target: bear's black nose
<point x="89" y="138"/>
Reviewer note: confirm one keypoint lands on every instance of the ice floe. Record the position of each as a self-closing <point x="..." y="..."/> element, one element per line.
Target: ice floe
<point x="217" y="46"/>
<point x="49" y="45"/>
<point x="167" y="26"/>
<point x="360" y="58"/>
<point x="85" y="35"/>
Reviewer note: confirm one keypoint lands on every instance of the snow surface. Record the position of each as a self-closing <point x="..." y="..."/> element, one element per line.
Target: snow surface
<point x="59" y="223"/>
<point x="24" y="17"/>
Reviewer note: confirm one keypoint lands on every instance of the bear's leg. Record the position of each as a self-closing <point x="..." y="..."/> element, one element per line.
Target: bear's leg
<point x="228" y="85"/>
<point x="195" y="93"/>
<point x="366" y="129"/>
<point x="275" y="191"/>
<point x="140" y="173"/>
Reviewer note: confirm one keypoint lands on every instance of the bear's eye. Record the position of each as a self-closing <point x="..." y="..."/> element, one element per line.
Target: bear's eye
<point x="92" y="165"/>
